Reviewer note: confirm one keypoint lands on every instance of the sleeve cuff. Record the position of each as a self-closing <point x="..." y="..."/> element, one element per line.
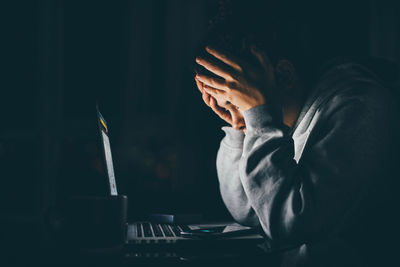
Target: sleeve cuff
<point x="263" y="116"/>
<point x="233" y="138"/>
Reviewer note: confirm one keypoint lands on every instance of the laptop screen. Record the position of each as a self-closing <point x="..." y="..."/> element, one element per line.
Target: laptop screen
<point x="107" y="154"/>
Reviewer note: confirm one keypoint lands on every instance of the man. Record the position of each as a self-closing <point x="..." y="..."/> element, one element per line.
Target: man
<point x="307" y="159"/>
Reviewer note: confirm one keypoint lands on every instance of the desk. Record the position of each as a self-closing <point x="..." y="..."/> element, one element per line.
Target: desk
<point x="332" y="253"/>
<point x="128" y="257"/>
<point x="21" y="249"/>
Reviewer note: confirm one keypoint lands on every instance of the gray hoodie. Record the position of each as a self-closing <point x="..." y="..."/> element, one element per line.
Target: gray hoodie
<point x="313" y="181"/>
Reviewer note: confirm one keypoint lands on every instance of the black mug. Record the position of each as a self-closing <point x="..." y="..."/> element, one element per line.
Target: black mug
<point x="96" y="222"/>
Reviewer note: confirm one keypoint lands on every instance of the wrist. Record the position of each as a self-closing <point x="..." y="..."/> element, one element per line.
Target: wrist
<point x="233" y="138"/>
<point x="263" y="116"/>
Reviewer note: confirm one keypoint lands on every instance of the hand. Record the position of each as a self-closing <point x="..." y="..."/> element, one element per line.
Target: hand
<point x="224" y="110"/>
<point x="239" y="83"/>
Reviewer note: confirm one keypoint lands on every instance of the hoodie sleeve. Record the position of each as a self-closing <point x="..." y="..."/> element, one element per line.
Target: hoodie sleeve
<point x="299" y="202"/>
<point x="231" y="188"/>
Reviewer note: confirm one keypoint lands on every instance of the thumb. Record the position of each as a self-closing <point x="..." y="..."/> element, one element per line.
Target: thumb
<point x="237" y="118"/>
<point x="235" y="121"/>
<point x="234" y="117"/>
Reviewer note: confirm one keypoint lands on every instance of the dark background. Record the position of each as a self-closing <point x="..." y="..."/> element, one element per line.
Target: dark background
<point x="134" y="57"/>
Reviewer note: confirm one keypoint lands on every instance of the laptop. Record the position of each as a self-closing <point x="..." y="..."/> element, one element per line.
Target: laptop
<point x="145" y="233"/>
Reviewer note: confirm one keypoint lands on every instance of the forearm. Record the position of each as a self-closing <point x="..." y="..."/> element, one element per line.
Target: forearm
<point x="294" y="202"/>
<point x="232" y="192"/>
<point x="267" y="167"/>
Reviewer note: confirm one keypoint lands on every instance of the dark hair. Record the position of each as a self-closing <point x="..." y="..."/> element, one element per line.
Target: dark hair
<point x="275" y="27"/>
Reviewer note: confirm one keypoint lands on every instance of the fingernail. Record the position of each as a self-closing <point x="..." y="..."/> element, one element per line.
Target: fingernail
<point x="197" y="59"/>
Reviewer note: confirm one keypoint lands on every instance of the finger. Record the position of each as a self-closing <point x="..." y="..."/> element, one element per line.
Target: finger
<point x="223" y="114"/>
<point x="217" y="69"/>
<point x="235" y="120"/>
<point x="212" y="82"/>
<point x="206" y="98"/>
<point x="224" y="104"/>
<point x="225" y="57"/>
<point x="199" y="85"/>
<point x="220" y="101"/>
<point x="229" y="106"/>
<point x="215" y="92"/>
<point x="262" y="58"/>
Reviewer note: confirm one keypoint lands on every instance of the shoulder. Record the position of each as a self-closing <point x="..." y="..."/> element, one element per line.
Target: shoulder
<point x="351" y="103"/>
<point x="351" y="86"/>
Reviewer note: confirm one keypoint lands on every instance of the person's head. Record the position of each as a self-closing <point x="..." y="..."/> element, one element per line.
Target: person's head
<point x="274" y="27"/>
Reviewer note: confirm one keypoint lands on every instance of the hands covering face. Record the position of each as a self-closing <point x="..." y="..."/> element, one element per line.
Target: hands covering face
<point x="237" y="82"/>
<point x="223" y="109"/>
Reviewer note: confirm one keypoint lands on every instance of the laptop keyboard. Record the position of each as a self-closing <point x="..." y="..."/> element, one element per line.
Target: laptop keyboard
<point x="159" y="230"/>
